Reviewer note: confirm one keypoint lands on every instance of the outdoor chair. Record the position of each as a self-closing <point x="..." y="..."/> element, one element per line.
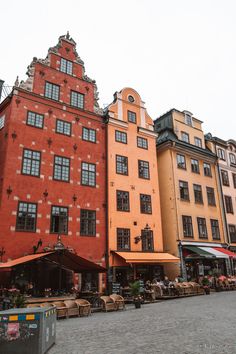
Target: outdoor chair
<point x="187" y="288"/>
<point x="158" y="292"/>
<point x="33" y="305"/>
<point x="72" y="308"/>
<point x="180" y="289"/>
<point x="108" y="304"/>
<point x="119" y="300"/>
<point x="62" y="310"/>
<point x="46" y="304"/>
<point x="84" y="307"/>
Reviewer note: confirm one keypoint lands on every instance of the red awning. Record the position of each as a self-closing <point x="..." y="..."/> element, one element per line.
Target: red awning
<point x="223" y="250"/>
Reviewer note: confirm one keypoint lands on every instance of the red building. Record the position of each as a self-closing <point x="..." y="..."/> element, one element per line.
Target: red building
<point x="52" y="160"/>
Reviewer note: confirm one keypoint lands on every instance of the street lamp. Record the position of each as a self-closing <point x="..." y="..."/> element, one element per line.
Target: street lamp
<point x="147" y="229"/>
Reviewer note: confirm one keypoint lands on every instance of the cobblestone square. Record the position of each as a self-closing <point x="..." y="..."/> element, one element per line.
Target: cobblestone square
<point x="194" y="325"/>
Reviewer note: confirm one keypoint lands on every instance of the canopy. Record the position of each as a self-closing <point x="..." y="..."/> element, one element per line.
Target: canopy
<point x="214" y="252"/>
<point x="147" y="257"/>
<point x="199" y="251"/>
<point x="225" y="251"/>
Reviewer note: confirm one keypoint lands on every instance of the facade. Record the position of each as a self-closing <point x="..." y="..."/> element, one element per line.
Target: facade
<point x="135" y="245"/>
<point x="53" y="161"/>
<point x="191" y="206"/>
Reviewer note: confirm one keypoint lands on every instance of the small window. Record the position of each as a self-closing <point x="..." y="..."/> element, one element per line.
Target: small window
<point x="221" y="154"/>
<point x="2" y="122"/>
<point x="35" y="120"/>
<point x="66" y="66"/>
<point x="181" y="163"/>
<point x="131" y="117"/>
<point x="88" y="174"/>
<point x="232" y="233"/>
<point x="145" y="204"/>
<point x="198" y="194"/>
<point x="87" y="222"/>
<point x="232" y="159"/>
<point x="122" y="200"/>
<point x="31" y="162"/>
<point x="26" y="217"/>
<point x="225" y="178"/>
<point x="122" y="165"/>
<point x="52" y="91"/>
<point x="211" y="196"/>
<point x="183" y="190"/>
<point x="131" y="99"/>
<point x="185" y="137"/>
<point x="120" y="137"/>
<point x="188" y="119"/>
<point x="229" y="205"/>
<point x="147" y="240"/>
<point x="89" y="135"/>
<point x="234" y="179"/>
<point x="187" y="226"/>
<point x="215" y="229"/>
<point x="202" y="228"/>
<point x="123" y="239"/>
<point x="61" y="169"/>
<point x="77" y="99"/>
<point x="63" y="127"/>
<point x="142" y="143"/>
<point x="59" y="220"/>
<point x="143" y="169"/>
<point x="195" y="166"/>
<point x="207" y="169"/>
<point x="198" y="142"/>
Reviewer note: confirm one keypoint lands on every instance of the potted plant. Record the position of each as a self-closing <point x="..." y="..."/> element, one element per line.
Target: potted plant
<point x="206" y="285"/>
<point x="135" y="293"/>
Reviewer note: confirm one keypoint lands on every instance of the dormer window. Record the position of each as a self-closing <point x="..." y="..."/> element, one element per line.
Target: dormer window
<point x="185" y="137"/>
<point x="131" y="117"/>
<point x="221" y="154"/>
<point x="66" y="66"/>
<point x="232" y="159"/>
<point x="188" y="118"/>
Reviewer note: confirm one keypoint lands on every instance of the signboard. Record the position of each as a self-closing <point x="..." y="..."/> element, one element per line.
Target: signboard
<point x="115" y="288"/>
<point x="141" y="282"/>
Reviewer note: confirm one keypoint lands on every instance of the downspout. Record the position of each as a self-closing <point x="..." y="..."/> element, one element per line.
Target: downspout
<point x="106" y="121"/>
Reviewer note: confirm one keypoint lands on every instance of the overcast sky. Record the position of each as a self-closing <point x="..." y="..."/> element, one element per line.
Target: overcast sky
<point x="176" y="54"/>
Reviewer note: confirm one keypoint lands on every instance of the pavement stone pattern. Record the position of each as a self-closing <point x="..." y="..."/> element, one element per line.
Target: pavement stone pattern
<point x="194" y="325"/>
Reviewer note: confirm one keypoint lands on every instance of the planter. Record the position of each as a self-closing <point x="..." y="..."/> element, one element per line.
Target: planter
<point x="137" y="304"/>
<point x="207" y="290"/>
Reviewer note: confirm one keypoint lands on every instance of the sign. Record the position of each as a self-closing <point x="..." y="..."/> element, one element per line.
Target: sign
<point x="141" y="283"/>
<point x="115" y="288"/>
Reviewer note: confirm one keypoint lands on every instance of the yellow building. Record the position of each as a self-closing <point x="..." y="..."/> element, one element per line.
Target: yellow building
<point x="135" y="245"/>
<point x="191" y="205"/>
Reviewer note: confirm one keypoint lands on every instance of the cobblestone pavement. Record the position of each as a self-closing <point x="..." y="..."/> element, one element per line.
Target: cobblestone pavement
<point x="200" y="324"/>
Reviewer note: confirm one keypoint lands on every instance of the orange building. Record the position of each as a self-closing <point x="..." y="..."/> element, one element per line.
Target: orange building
<point x="135" y="245"/>
<point x="191" y="203"/>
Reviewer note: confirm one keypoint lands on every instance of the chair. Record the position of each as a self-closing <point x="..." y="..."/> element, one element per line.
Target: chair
<point x="62" y="310"/>
<point x="84" y="307"/>
<point x="46" y="304"/>
<point x="72" y="308"/>
<point x="33" y="305"/>
<point x="158" y="292"/>
<point x="119" y="300"/>
<point x="187" y="288"/>
<point x="108" y="304"/>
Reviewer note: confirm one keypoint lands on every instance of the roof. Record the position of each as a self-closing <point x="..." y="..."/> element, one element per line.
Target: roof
<point x="147" y="257"/>
<point x="25" y="259"/>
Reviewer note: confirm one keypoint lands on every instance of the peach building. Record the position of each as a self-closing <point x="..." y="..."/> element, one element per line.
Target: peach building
<point x="191" y="204"/>
<point x="135" y="245"/>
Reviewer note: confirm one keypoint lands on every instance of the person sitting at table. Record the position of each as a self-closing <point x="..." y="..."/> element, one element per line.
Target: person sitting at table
<point x="149" y="292"/>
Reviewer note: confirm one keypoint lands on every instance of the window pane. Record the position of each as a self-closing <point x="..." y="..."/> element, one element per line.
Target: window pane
<point x="26" y="217"/>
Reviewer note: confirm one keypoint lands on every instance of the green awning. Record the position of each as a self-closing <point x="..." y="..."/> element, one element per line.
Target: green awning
<point x="198" y="252"/>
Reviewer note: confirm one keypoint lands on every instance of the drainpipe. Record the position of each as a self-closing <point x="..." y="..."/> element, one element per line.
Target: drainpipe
<point x="182" y="263"/>
<point x="106" y="121"/>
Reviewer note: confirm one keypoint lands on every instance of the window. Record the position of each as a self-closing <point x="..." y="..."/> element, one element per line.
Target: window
<point x="187" y="226"/>
<point x="229" y="205"/>
<point x="147" y="240"/>
<point x="26" y="217"/>
<point x="221" y="154"/>
<point x="234" y="179"/>
<point x="198" y="142"/>
<point x="211" y="196"/>
<point x="225" y="178"/>
<point x="52" y="91"/>
<point x="2" y="122"/>
<point x="202" y="228"/>
<point x="89" y="135"/>
<point x="143" y="169"/>
<point x="121" y="137"/>
<point x="66" y="66"/>
<point x="145" y="204"/>
<point x="63" y="127"/>
<point x="59" y="220"/>
<point x="183" y="190"/>
<point x="77" y="99"/>
<point x="181" y="163"/>
<point x="195" y="166"/>
<point x="35" y="120"/>
<point x="61" y="168"/>
<point x="232" y="233"/>
<point x="88" y="174"/>
<point x="131" y="117"/>
<point x="122" y="165"/>
<point x="232" y="159"/>
<point x="142" y="143"/>
<point x="123" y="239"/>
<point x="31" y="162"/>
<point x="185" y="137"/>
<point x="188" y="119"/>
<point x="87" y="222"/>
<point x="207" y="169"/>
<point x="198" y="193"/>
<point x="122" y="201"/>
<point x="215" y="229"/>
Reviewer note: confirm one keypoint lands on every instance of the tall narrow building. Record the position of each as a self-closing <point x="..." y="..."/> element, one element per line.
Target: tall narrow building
<point x="191" y="206"/>
<point x="135" y="245"/>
